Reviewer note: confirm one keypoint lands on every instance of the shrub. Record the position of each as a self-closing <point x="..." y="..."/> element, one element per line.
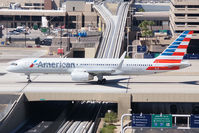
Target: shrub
<point x="108" y="129"/>
<point x="110" y="117"/>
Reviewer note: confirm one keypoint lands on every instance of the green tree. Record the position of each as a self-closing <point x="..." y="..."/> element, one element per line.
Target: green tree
<point x="151" y="23"/>
<point x="108" y="129"/>
<point x="145" y="31"/>
<point x="110" y="117"/>
<point x="141" y="10"/>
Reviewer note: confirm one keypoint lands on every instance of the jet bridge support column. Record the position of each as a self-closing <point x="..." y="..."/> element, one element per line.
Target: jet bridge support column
<point x="124" y="105"/>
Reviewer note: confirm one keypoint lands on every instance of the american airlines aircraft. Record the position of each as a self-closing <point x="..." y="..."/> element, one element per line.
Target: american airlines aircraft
<point x="84" y="69"/>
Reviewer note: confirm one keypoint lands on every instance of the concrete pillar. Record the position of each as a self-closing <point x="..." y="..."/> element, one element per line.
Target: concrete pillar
<point x="76" y="21"/>
<point x="100" y="23"/>
<point x="65" y="21"/>
<point x="124" y="105"/>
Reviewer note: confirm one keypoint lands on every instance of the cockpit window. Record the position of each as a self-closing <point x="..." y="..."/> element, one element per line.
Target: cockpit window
<point x="13" y="64"/>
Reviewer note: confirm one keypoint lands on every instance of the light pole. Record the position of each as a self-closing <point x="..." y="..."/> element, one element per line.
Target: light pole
<point x="25" y="37"/>
<point x="6" y="32"/>
<point x="61" y="51"/>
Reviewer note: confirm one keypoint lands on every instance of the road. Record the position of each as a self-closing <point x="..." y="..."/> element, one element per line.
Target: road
<point x="114" y="32"/>
<point x="81" y="119"/>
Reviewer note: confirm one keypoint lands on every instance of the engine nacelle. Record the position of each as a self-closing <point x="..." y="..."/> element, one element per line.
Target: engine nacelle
<point x="81" y="76"/>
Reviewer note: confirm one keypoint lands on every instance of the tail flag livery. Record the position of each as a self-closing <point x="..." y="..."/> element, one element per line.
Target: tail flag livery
<point x="176" y="50"/>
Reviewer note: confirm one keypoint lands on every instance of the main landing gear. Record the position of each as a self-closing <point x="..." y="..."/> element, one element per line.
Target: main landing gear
<point x="28" y="77"/>
<point x="101" y="80"/>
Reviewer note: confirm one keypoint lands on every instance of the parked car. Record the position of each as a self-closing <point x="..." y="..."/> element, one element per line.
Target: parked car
<point x="46" y="42"/>
<point x="13" y="32"/>
<point x="17" y="31"/>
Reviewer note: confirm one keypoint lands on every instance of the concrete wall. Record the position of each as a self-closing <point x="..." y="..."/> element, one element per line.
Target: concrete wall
<point x="186" y="20"/>
<point x="17" y="117"/>
<point x="185" y="2"/>
<point x="6" y="3"/>
<point x="90" y="19"/>
<point x="166" y="97"/>
<point x="47" y="4"/>
<point x="44" y="4"/>
<point x="88" y="7"/>
<point x="82" y="18"/>
<point x="22" y="2"/>
<point x="90" y="52"/>
<point x="123" y="100"/>
<point x="78" y="6"/>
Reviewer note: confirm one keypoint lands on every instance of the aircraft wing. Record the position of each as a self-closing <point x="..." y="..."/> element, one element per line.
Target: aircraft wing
<point x="101" y="71"/>
<point x="106" y="71"/>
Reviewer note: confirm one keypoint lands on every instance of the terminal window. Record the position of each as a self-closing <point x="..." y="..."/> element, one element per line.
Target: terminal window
<point x="36" y="4"/>
<point x="28" y="4"/>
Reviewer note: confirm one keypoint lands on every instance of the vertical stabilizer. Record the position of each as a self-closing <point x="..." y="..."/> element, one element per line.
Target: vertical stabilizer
<point x="176" y="50"/>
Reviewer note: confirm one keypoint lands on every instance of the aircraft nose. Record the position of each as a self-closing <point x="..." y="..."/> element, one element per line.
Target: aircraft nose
<point x="10" y="69"/>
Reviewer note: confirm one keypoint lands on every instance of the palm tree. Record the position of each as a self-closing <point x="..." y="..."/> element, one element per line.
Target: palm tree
<point x="143" y="26"/>
<point x="151" y="23"/>
<point x="145" y="31"/>
<point x="141" y="10"/>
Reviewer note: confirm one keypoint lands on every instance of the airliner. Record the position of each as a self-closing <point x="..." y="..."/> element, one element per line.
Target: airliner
<point x="85" y="69"/>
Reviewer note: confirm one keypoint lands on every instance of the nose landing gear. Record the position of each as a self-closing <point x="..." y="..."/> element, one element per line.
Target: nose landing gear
<point x="28" y="77"/>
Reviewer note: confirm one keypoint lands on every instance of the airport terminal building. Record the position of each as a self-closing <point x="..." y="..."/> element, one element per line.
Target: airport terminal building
<point x="71" y="14"/>
<point x="184" y="15"/>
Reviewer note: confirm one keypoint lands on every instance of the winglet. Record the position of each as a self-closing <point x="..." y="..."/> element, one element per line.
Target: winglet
<point x="123" y="55"/>
<point x="121" y="60"/>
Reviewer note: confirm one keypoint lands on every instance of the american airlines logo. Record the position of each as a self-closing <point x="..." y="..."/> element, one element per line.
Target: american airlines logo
<point x="53" y="64"/>
<point x="33" y="64"/>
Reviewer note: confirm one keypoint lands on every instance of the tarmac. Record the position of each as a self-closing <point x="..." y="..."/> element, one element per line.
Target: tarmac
<point x="143" y="88"/>
<point x="181" y="81"/>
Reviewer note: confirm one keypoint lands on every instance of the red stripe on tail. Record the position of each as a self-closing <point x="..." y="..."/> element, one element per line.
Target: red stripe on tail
<point x="167" y="61"/>
<point x="163" y="68"/>
<point x="178" y="54"/>
<point x="183" y="46"/>
<point x="186" y="39"/>
<point x="191" y="32"/>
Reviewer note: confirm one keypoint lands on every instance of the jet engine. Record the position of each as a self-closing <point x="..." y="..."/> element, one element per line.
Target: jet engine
<point x="81" y="76"/>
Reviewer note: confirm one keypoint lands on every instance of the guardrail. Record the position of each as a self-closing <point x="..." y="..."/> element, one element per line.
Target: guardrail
<point x="7" y="111"/>
<point x="103" y="44"/>
<point x="121" y="33"/>
<point x="97" y="121"/>
<point x="10" y="109"/>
